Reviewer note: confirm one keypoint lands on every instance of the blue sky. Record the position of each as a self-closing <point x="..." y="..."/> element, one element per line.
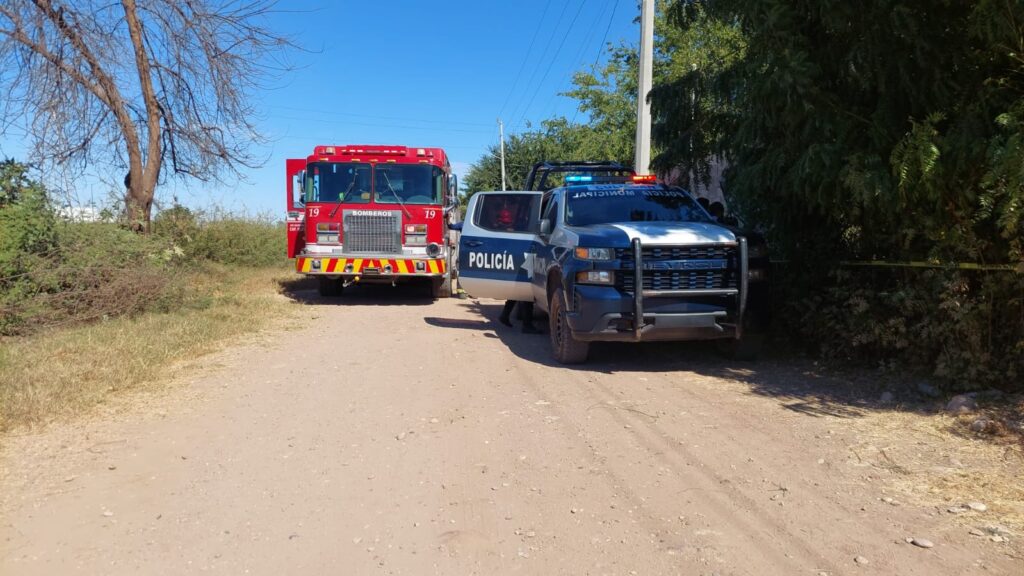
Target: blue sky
<point x="413" y="73"/>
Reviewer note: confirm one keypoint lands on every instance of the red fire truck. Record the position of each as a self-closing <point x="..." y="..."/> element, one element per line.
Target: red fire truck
<point x="372" y="214"/>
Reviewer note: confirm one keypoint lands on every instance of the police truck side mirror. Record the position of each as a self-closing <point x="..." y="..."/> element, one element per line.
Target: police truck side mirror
<point x="545" y="227"/>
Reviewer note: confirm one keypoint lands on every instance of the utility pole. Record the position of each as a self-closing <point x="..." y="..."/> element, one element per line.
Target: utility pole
<point x="642" y="161"/>
<point x="501" y="136"/>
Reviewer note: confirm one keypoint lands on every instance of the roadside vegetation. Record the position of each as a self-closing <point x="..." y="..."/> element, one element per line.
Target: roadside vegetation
<point x="87" y="308"/>
<point x="878" y="145"/>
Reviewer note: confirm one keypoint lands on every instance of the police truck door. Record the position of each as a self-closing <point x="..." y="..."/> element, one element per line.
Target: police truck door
<point x="496" y="246"/>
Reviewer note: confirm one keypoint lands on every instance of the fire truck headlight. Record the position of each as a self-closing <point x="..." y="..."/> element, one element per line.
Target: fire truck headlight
<point x="433" y="250"/>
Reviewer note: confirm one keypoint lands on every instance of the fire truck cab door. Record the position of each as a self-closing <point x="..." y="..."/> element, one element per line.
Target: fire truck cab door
<point x="295" y="169"/>
<point x="497" y="244"/>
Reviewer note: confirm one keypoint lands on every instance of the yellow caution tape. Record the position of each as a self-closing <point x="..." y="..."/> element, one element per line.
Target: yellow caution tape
<point x="937" y="265"/>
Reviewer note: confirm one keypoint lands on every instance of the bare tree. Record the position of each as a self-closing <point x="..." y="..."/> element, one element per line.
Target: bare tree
<point x="136" y="84"/>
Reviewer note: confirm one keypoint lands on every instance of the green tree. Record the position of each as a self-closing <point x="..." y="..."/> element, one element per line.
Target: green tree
<point x="883" y="129"/>
<point x="27" y="224"/>
<point x="889" y="124"/>
<point x="555" y="140"/>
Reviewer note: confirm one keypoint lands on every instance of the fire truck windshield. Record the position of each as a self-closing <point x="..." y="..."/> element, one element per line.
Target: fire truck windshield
<point x="407" y="184"/>
<point x="338" y="182"/>
<point x="352" y="182"/>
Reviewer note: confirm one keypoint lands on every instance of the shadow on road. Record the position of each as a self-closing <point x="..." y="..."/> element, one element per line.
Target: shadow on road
<point x="799" y="384"/>
<point x="304" y="291"/>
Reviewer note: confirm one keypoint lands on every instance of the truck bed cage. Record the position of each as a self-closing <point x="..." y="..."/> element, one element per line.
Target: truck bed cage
<point x="537" y="180"/>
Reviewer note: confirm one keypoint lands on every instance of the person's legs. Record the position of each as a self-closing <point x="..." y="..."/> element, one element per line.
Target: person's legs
<point x="506" y="313"/>
<point x="526" y="315"/>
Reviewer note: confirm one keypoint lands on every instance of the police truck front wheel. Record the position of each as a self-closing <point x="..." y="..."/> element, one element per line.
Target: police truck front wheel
<point x="566" y="349"/>
<point x="330" y="287"/>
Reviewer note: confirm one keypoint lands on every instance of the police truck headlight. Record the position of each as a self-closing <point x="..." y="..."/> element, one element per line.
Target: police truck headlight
<point x="603" y="277"/>
<point x="595" y="253"/>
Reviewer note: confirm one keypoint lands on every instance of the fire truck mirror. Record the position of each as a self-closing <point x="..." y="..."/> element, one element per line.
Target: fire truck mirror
<point x="298" y="189"/>
<point x="453" y="188"/>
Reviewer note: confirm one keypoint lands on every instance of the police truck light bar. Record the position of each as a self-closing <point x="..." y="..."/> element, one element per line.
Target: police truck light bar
<point x="645" y="178"/>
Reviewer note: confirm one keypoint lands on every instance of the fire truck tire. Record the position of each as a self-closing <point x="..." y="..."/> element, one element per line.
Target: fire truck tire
<point x="441" y="287"/>
<point x="330" y="287"/>
<point x="565" y="348"/>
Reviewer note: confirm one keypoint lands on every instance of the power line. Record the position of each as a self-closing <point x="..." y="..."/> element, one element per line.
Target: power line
<point x="600" y="50"/>
<point x="577" y="61"/>
<point x="379" y="125"/>
<point x="551" y="38"/>
<point x="552" y="61"/>
<point x="515" y="83"/>
<point x="372" y="117"/>
<point x="315" y="138"/>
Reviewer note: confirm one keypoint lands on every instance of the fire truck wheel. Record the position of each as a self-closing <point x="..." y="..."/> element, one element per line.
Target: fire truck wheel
<point x="330" y="287"/>
<point x="441" y="287"/>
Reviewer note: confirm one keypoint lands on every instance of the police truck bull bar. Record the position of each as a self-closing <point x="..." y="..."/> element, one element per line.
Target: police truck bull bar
<point x="639" y="293"/>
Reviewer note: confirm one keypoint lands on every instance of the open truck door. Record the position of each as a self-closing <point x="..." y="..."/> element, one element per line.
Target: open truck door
<point x="296" y="201"/>
<point x="496" y="245"/>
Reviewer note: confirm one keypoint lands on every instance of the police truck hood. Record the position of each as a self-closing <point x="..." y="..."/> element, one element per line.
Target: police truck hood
<point x="621" y="234"/>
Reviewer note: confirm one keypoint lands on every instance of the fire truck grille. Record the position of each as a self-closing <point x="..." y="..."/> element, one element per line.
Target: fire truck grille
<point x="373" y="231"/>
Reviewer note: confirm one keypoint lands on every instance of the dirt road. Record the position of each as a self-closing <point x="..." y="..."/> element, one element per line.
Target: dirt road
<point x="388" y="435"/>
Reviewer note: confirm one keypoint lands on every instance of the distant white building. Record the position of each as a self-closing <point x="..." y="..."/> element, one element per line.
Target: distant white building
<point x="79" y="213"/>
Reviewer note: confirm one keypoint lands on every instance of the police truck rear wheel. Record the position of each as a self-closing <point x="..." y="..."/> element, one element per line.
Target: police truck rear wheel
<point x="330" y="287"/>
<point x="565" y="348"/>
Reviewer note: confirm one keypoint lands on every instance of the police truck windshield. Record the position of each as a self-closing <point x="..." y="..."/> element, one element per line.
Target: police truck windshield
<point x="610" y="204"/>
<point x="358" y="183"/>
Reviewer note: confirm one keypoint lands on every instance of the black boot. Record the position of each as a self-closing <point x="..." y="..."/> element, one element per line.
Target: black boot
<point x="506" y="313"/>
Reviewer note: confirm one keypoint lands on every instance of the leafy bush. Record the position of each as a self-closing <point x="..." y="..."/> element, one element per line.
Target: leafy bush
<point x="93" y="271"/>
<point x="963" y="328"/>
<point x="239" y="241"/>
<point x="55" y="272"/>
<point x="27" y="225"/>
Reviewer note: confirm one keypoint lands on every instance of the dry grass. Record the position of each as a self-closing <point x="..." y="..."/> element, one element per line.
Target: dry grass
<point x="934" y="460"/>
<point x="65" y="372"/>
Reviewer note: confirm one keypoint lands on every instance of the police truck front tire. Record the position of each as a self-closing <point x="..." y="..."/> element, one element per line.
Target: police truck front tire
<point x="330" y="287"/>
<point x="565" y="348"/>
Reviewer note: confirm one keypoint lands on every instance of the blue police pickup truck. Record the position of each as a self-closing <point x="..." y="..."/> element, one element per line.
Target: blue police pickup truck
<point x="610" y="261"/>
